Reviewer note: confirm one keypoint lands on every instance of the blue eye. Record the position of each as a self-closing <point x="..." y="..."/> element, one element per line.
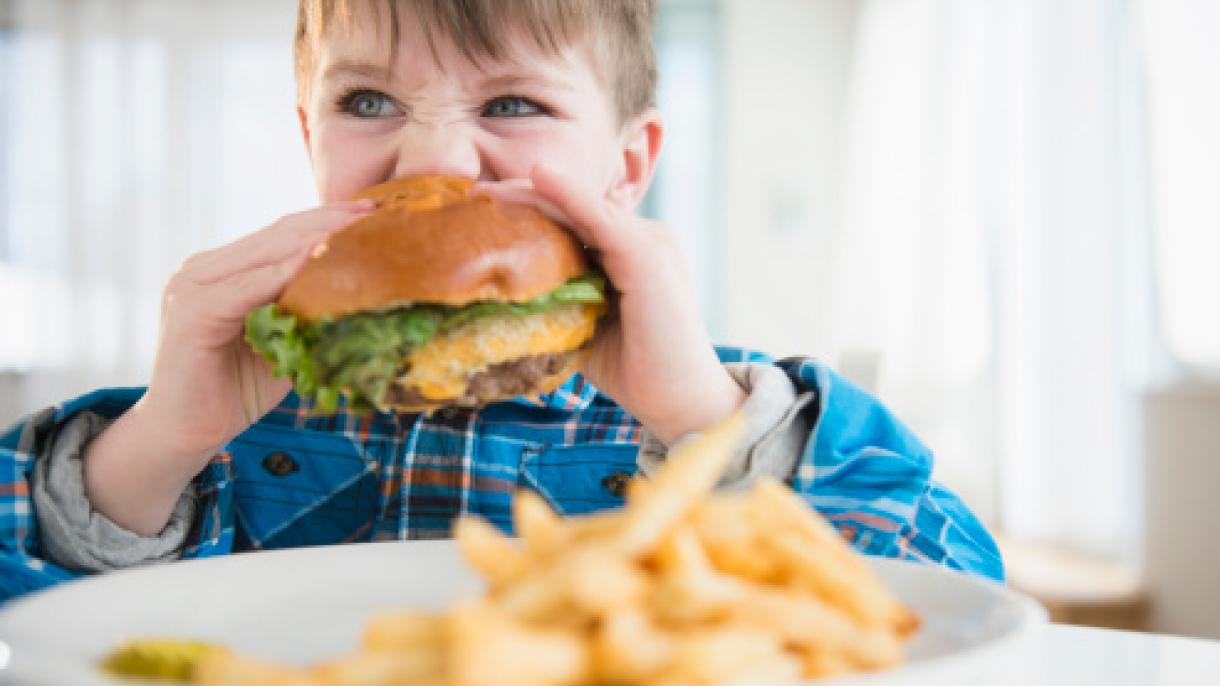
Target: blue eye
<point x="512" y="106"/>
<point x="368" y="105"/>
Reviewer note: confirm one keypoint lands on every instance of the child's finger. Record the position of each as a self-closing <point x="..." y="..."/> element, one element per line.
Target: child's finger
<point x="239" y="293"/>
<point x="595" y="221"/>
<point x="521" y="191"/>
<point x="483" y="186"/>
<point x="273" y="244"/>
<point x="276" y="242"/>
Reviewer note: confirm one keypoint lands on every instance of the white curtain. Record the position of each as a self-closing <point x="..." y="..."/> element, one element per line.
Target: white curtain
<point x="994" y="254"/>
<point x="135" y="133"/>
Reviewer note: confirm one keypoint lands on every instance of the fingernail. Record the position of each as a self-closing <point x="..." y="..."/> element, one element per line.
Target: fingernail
<point x="487" y="190"/>
<point x="361" y="205"/>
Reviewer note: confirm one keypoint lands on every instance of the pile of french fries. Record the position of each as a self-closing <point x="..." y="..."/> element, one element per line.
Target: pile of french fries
<point x="679" y="588"/>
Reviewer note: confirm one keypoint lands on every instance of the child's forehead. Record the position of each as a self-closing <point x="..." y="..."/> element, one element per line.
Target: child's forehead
<point x="400" y="44"/>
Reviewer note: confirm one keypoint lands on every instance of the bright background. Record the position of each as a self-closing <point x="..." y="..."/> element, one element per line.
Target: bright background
<point x="1001" y="216"/>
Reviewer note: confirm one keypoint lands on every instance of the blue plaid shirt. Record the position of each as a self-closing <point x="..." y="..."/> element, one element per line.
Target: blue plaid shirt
<point x="294" y="479"/>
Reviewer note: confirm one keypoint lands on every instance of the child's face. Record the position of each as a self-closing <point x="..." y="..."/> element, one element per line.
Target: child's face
<point x="364" y="126"/>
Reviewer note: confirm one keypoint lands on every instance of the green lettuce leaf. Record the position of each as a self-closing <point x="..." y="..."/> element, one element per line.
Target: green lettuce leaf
<point x="360" y="355"/>
<point x="588" y="288"/>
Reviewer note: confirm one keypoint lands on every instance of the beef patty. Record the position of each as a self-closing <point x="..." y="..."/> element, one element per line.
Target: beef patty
<point x="506" y="379"/>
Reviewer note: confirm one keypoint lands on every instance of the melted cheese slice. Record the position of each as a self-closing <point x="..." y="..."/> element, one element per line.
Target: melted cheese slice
<point x="442" y="367"/>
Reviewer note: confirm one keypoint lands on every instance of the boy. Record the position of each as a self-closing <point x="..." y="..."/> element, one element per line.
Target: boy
<point x="543" y="102"/>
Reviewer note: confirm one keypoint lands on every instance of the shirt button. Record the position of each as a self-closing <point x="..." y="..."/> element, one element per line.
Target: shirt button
<point x="279" y="463"/>
<point x="616" y="483"/>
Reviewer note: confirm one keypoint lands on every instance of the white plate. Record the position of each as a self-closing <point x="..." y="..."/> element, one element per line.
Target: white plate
<point x="307" y="605"/>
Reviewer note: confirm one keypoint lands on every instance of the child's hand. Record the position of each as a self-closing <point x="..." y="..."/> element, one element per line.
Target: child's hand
<point x="207" y="384"/>
<point x="655" y="358"/>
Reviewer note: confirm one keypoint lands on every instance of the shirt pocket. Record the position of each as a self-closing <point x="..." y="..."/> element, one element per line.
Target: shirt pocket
<point x="295" y="487"/>
<point x="578" y="479"/>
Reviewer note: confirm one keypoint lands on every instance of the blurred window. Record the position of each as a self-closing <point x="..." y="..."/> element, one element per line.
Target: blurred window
<point x="134" y="133"/>
<point x="684" y="192"/>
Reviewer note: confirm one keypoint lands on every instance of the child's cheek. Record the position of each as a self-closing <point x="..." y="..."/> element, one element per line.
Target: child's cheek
<point x="576" y="157"/>
<point x="346" y="162"/>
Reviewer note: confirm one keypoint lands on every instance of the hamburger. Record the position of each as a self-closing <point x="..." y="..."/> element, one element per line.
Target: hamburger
<point x="435" y="298"/>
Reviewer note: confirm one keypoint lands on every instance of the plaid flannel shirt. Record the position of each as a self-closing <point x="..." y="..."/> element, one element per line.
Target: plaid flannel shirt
<point x="293" y="479"/>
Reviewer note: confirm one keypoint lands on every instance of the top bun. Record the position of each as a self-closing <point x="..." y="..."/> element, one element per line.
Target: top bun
<point x="429" y="241"/>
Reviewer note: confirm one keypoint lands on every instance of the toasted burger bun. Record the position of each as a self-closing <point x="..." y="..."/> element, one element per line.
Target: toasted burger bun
<point x="428" y="242"/>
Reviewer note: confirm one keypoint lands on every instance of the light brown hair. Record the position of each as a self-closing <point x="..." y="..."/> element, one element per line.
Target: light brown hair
<point x="621" y="32"/>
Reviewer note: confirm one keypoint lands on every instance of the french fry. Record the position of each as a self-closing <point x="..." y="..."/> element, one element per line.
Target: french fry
<point x="823" y="663"/>
<point x="785" y="508"/>
<point x="597" y="581"/>
<point x="782" y="668"/>
<point x="681" y="550"/>
<point x="490" y="552"/>
<point x="588" y="582"/>
<point x="489" y="649"/>
<point x="227" y="669"/>
<point x="542" y="531"/>
<point x="535" y="598"/>
<point x="773" y="506"/>
<point x="628" y="647"/>
<point x="688" y="589"/>
<point x="906" y="622"/>
<point x="817" y="557"/>
<point x="405" y="632"/>
<point x="596" y="526"/>
<point x="727" y="654"/>
<point x="861" y="595"/>
<point x="690" y="473"/>
<point x="730" y="538"/>
<point x="685" y="598"/>
<point x="383" y="669"/>
<point x="808" y="622"/>
<point x="638" y="489"/>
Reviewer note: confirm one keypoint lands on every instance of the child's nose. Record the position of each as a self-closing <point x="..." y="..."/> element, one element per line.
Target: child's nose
<point x="439" y="149"/>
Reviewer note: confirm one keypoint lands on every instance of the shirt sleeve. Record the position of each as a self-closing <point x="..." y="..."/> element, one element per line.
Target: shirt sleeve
<point x="75" y="536"/>
<point x="44" y="517"/>
<point x="22" y="570"/>
<point x="850" y="459"/>
<point x="872" y="478"/>
<point x="777" y="426"/>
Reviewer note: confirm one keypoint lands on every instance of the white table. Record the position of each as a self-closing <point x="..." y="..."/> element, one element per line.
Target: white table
<point x="1079" y="656"/>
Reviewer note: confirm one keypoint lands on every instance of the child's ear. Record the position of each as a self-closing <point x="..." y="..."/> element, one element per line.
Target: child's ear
<point x="641" y="142"/>
<point x="304" y="119"/>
